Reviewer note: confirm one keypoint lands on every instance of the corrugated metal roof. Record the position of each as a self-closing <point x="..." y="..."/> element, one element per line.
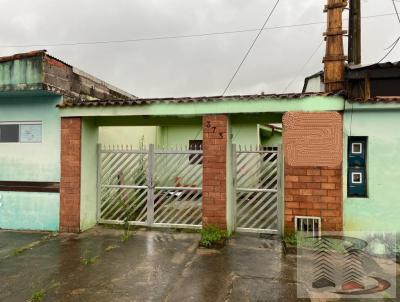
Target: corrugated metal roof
<point x="31" y="54"/>
<point x="147" y="101"/>
<point x="374" y="66"/>
<point x="378" y="99"/>
<point x="20" y="56"/>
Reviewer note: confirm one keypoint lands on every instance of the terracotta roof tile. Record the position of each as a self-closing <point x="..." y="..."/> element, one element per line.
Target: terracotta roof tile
<point x="147" y="101"/>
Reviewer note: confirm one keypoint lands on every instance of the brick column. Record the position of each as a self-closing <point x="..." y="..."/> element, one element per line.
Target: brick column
<point x="314" y="191"/>
<point x="70" y="187"/>
<point x="215" y="130"/>
<point x="313" y="168"/>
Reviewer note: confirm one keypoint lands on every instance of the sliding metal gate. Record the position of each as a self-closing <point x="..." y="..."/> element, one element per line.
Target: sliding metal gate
<point x="150" y="187"/>
<point x="257" y="190"/>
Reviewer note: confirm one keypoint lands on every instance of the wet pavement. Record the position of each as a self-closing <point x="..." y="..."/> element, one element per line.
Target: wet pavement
<point x="12" y="241"/>
<point x="149" y="266"/>
<point x="104" y="265"/>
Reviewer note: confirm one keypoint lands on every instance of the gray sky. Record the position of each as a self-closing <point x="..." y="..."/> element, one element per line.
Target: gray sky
<point x="193" y="66"/>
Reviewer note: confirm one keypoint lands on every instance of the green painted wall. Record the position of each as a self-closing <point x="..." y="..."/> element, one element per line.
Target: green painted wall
<point x="244" y="134"/>
<point x="31" y="162"/>
<point x="29" y="211"/>
<point x="25" y="161"/>
<point x="381" y="210"/>
<point x="89" y="173"/>
<point x="127" y="135"/>
<point x="179" y="135"/>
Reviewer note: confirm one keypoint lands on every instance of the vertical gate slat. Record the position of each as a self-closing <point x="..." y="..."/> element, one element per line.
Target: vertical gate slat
<point x="150" y="186"/>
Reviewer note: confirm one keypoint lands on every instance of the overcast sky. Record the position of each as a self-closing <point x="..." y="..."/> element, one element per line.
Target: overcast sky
<point x="192" y="66"/>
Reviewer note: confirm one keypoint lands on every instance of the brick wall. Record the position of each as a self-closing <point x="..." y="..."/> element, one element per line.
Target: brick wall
<point x="314" y="191"/>
<point x="214" y="169"/>
<point x="70" y="186"/>
<point x="313" y="167"/>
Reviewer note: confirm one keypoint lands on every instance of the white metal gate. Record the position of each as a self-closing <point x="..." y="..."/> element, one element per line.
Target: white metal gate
<point x="257" y="190"/>
<point x="150" y="187"/>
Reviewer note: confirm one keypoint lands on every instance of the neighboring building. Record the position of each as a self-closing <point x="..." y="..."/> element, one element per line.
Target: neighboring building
<point x="31" y="86"/>
<point x="314" y="83"/>
<point x="362" y="82"/>
<point x="371" y="168"/>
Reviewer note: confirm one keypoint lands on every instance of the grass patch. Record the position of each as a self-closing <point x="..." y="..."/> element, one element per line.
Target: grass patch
<point x="212" y="236"/>
<point x="88" y="258"/>
<point x="37" y="295"/>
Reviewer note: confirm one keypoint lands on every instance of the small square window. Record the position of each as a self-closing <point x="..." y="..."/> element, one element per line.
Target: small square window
<point x="356" y="148"/>
<point x="356" y="178"/>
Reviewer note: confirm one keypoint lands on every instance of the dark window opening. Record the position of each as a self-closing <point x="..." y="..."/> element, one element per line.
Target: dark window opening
<point x="270" y="157"/>
<point x="196" y="145"/>
<point x="9" y="133"/>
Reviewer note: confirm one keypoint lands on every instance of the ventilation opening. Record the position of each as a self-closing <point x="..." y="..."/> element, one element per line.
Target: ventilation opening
<point x="309" y="226"/>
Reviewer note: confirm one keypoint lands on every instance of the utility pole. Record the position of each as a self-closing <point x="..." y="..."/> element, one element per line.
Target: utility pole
<point x="355" y="32"/>
<point x="334" y="59"/>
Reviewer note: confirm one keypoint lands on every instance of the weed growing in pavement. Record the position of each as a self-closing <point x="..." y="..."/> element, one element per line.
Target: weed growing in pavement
<point x="212" y="236"/>
<point x="88" y="258"/>
<point x="111" y="247"/>
<point x="39" y="293"/>
<point x="33" y="244"/>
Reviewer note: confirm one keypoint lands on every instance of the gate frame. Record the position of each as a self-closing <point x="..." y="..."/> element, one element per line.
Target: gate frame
<point x="151" y="153"/>
<point x="280" y="203"/>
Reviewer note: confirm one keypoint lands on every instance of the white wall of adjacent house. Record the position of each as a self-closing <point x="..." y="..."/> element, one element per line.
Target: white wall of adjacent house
<point x="315" y="85"/>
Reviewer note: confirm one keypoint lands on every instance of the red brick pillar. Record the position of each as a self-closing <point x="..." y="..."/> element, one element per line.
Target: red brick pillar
<point x="313" y="168"/>
<point x="70" y="187"/>
<point x="215" y="130"/>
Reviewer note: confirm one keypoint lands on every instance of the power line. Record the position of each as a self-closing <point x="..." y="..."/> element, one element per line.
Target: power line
<point x="174" y="37"/>
<point x="395" y="9"/>
<point x="304" y="66"/>
<point x="394" y="44"/>
<point x="250" y="48"/>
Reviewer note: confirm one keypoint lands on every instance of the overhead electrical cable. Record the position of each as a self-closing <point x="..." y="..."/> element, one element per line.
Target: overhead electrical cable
<point x="174" y="37"/>
<point x="250" y="48"/>
<point x="394" y="44"/>
<point x="304" y="66"/>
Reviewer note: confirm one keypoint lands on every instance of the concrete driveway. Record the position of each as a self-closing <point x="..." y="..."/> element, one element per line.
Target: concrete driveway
<point x="101" y="265"/>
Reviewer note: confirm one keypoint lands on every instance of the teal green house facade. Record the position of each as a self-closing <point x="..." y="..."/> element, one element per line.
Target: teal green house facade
<point x="379" y="210"/>
<point x="31" y="86"/>
<point x="30" y="161"/>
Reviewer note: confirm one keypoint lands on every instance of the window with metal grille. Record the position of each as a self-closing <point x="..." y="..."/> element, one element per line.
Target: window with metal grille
<point x="196" y="145"/>
<point x="309" y="226"/>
